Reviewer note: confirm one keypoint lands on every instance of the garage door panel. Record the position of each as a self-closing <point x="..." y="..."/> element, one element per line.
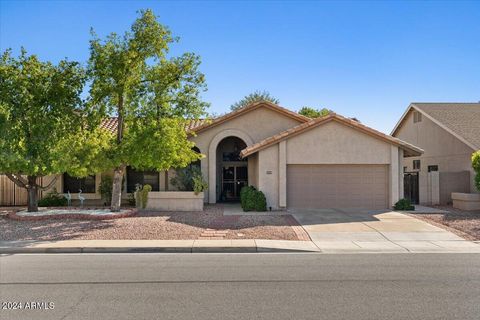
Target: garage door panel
<point x="347" y="186"/>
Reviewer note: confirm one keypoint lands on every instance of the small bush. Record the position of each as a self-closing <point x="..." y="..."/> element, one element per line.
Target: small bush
<point x="53" y="199"/>
<point x="259" y="201"/>
<point x="252" y="199"/>
<point x="199" y="184"/>
<point x="403" y="204"/>
<point x="243" y="196"/>
<point x="144" y="195"/>
<point x="105" y="189"/>
<point x="476" y="168"/>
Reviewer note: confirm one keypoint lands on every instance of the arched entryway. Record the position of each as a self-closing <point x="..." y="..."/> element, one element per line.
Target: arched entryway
<point x="215" y="161"/>
<point x="231" y="169"/>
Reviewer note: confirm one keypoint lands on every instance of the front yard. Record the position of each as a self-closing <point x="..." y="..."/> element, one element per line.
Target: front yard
<point x="156" y="225"/>
<point x="463" y="223"/>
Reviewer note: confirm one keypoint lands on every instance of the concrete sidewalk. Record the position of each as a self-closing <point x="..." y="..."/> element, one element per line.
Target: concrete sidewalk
<point x="247" y="246"/>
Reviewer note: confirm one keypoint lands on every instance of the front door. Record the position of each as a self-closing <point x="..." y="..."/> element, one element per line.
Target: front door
<point x="410" y="186"/>
<point x="234" y="178"/>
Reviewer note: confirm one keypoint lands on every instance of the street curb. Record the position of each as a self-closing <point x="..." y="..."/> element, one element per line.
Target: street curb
<point x="150" y="250"/>
<point x="202" y="246"/>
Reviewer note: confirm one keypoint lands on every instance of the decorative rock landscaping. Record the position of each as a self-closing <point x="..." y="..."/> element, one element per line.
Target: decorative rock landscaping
<point x="71" y="213"/>
<point x="149" y="225"/>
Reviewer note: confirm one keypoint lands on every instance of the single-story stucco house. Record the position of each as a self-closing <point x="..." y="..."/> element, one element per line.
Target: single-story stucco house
<point x="448" y="133"/>
<point x="296" y="161"/>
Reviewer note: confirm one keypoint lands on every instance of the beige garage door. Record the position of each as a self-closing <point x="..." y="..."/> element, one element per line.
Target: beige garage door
<point x="337" y="186"/>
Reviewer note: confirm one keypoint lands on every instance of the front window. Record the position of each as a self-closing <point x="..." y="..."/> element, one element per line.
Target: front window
<point x="432" y="168"/>
<point x="135" y="177"/>
<point x="74" y="185"/>
<point x="416" y="164"/>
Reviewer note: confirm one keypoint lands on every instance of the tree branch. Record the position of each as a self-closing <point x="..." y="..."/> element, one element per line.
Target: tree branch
<point x="18" y="180"/>
<point x="49" y="185"/>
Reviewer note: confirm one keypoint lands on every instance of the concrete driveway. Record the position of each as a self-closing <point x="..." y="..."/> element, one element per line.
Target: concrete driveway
<point x="361" y="230"/>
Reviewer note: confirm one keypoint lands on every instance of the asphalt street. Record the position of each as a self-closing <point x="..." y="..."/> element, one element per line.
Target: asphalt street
<point x="240" y="286"/>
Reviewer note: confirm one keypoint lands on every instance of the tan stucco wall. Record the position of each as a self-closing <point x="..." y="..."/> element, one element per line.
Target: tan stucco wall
<point x="253" y="170"/>
<point x="251" y="127"/>
<point x="332" y="143"/>
<point x="336" y="143"/>
<point x="441" y="148"/>
<point x="268" y="175"/>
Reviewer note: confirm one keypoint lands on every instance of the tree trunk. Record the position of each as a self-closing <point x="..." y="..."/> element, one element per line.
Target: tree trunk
<point x="32" y="194"/>
<point x="117" y="188"/>
<point x="118" y="172"/>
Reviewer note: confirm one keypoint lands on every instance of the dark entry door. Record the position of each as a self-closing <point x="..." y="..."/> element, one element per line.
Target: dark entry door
<point x="410" y="186"/>
<point x="234" y="178"/>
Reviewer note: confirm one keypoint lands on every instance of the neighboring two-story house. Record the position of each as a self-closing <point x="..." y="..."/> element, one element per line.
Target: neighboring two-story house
<point x="448" y="133"/>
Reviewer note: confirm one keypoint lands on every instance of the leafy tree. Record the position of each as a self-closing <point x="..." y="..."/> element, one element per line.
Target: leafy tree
<point x="45" y="129"/>
<point x="256" y="96"/>
<point x="314" y="113"/>
<point x="152" y="95"/>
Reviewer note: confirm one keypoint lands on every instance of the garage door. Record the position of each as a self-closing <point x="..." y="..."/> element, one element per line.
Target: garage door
<point x="337" y="186"/>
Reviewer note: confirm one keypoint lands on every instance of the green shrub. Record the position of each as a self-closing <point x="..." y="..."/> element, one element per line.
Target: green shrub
<point x="252" y="199"/>
<point x="243" y="196"/>
<point x="403" y="204"/>
<point x="53" y="199"/>
<point x="476" y="168"/>
<point x="105" y="189"/>
<point x="199" y="184"/>
<point x="260" y="201"/>
<point x="144" y="195"/>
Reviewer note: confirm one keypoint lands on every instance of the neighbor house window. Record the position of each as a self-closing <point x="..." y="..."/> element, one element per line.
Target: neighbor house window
<point x="74" y="185"/>
<point x="416" y="164"/>
<point x="432" y="168"/>
<point x="417" y="117"/>
<point x="405" y="169"/>
<point x="135" y="177"/>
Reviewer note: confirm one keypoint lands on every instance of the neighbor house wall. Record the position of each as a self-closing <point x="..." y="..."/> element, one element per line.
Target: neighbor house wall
<point x="441" y="148"/>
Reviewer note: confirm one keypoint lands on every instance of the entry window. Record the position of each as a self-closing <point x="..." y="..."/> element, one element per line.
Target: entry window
<point x="432" y="168"/>
<point x="74" y="185"/>
<point x="135" y="177"/>
<point x="417" y="117"/>
<point x="232" y="156"/>
<point x="416" y="164"/>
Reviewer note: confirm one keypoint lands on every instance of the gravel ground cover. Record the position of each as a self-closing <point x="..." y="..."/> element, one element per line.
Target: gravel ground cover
<point x="151" y="225"/>
<point x="465" y="224"/>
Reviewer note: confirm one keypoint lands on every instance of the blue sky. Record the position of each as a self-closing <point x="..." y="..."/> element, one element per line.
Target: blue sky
<point x="362" y="59"/>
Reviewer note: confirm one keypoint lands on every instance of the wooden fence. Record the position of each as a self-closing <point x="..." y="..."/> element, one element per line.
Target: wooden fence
<point x="13" y="195"/>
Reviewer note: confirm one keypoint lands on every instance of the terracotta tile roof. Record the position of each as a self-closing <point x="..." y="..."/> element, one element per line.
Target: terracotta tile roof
<point x="410" y="150"/>
<point x="249" y="108"/>
<point x="111" y="124"/>
<point x="461" y="118"/>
